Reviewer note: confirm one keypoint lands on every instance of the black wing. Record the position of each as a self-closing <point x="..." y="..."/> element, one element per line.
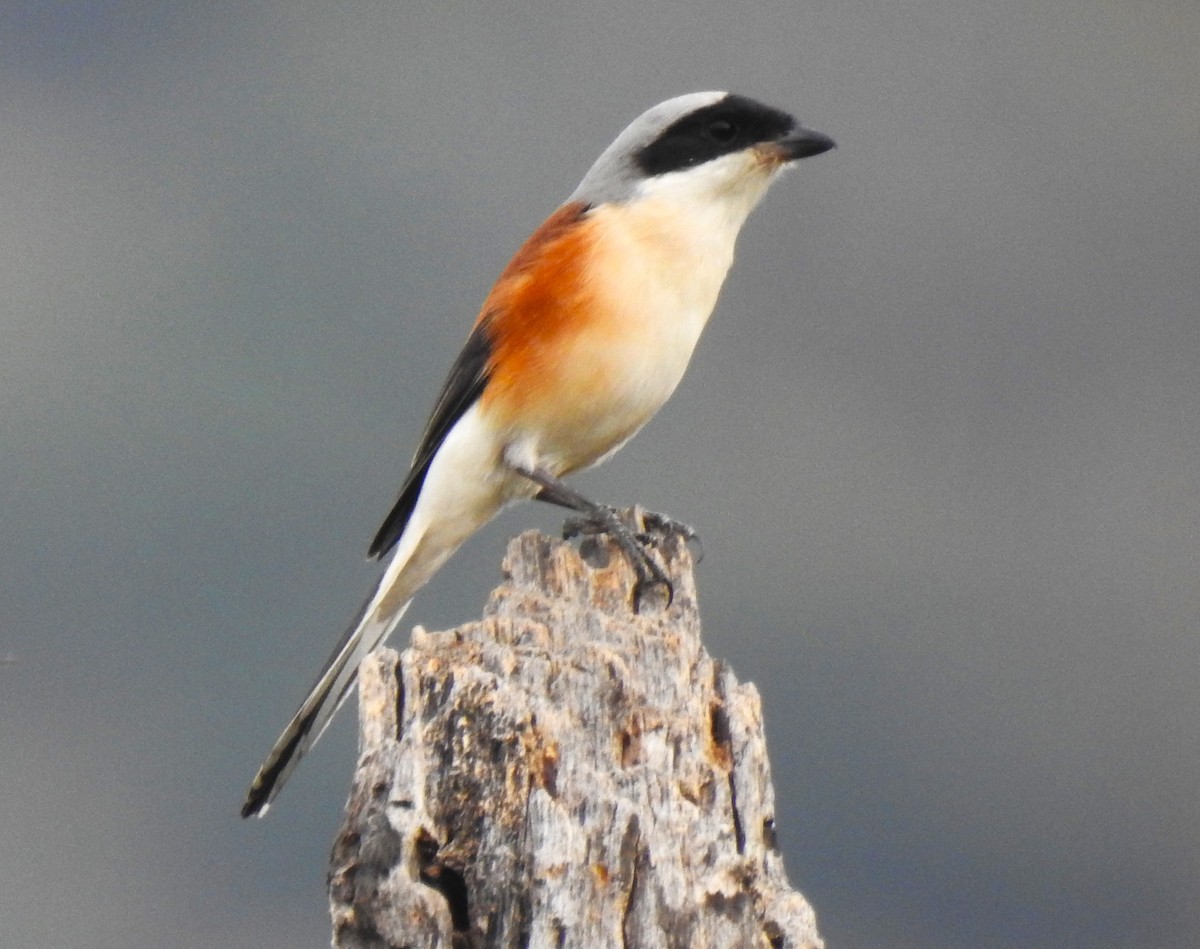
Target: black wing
<point x="466" y="381"/>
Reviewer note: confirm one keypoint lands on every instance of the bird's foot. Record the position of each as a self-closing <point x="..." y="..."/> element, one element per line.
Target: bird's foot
<point x="659" y="526"/>
<point x="634" y="545"/>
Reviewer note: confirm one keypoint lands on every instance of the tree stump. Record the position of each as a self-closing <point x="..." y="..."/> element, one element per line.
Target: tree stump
<point x="563" y="773"/>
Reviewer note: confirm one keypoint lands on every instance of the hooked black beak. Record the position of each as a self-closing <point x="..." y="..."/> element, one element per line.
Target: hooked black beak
<point x="802" y="142"/>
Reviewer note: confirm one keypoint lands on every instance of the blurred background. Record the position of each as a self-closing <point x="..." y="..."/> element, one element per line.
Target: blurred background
<point x="940" y="438"/>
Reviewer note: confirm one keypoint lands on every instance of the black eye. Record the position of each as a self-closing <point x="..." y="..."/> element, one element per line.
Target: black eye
<point x="722" y="130"/>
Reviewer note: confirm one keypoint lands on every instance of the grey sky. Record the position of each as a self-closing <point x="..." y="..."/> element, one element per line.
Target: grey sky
<point x="940" y="438"/>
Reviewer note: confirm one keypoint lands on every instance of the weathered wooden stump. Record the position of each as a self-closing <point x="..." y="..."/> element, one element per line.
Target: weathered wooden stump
<point x="563" y="773"/>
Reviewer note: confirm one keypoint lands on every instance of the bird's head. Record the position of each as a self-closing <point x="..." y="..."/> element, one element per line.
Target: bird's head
<point x="710" y="150"/>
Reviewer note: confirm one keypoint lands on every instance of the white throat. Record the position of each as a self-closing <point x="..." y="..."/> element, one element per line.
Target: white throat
<point x="716" y="196"/>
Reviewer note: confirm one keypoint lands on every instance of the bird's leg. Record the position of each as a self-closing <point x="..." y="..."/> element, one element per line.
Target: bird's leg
<point x="563" y="496"/>
<point x="601" y="519"/>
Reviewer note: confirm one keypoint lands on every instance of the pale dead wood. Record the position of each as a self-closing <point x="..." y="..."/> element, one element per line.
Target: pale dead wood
<point x="563" y="773"/>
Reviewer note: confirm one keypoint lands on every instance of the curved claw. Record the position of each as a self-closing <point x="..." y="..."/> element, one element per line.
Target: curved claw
<point x="649" y="574"/>
<point x="641" y="586"/>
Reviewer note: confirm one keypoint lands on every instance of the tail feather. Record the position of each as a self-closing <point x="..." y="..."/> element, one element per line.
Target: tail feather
<point x="450" y="508"/>
<point x="324" y="699"/>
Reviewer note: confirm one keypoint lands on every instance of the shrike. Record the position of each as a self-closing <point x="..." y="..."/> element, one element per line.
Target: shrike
<point x="584" y="336"/>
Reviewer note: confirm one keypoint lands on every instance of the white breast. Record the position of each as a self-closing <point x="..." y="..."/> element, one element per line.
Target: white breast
<point x="657" y="266"/>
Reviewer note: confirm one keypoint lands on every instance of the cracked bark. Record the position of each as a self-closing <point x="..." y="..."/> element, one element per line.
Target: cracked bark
<point x="563" y="773"/>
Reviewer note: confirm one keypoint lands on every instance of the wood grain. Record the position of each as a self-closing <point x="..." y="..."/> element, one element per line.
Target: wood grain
<point x="563" y="773"/>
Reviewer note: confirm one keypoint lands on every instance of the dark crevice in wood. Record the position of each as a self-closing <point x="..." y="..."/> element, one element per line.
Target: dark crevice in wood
<point x="722" y="737"/>
<point x="445" y="880"/>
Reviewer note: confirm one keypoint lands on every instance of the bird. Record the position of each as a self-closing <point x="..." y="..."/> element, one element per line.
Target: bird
<point x="582" y="339"/>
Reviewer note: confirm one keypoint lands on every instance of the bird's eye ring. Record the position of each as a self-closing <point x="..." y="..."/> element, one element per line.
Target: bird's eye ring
<point x="722" y="130"/>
